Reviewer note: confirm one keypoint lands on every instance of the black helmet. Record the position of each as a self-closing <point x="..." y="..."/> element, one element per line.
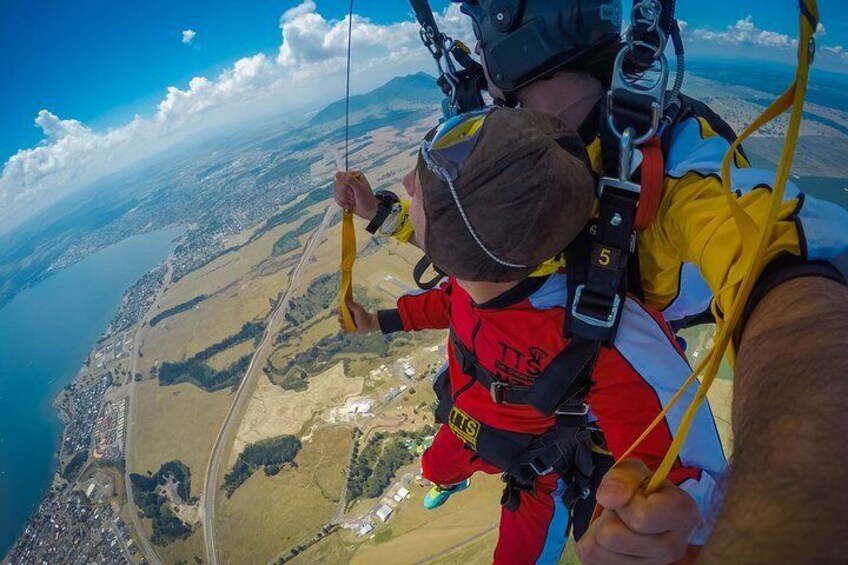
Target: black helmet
<point x="524" y="40"/>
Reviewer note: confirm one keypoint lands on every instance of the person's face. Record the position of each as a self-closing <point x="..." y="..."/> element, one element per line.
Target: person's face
<point x="494" y="91"/>
<point x="412" y="184"/>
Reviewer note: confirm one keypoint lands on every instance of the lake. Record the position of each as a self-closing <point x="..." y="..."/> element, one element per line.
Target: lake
<point x="46" y="333"/>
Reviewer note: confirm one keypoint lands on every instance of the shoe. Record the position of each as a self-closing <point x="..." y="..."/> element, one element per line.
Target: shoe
<point x="437" y="495"/>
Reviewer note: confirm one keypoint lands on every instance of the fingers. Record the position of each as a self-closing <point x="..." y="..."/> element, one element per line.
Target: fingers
<point x="354" y="307"/>
<point x="590" y="551"/>
<point x="342" y="193"/>
<point x="669" y="509"/>
<point x="362" y="319"/>
<point x="610" y="534"/>
<point x="622" y="482"/>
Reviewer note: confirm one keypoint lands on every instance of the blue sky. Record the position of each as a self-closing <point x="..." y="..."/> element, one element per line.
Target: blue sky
<point x="91" y="66"/>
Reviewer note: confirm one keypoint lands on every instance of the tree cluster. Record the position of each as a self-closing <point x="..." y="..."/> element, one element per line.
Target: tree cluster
<point x="374" y="467"/>
<point x="178" y="309"/>
<point x="195" y="370"/>
<point x="271" y="454"/>
<point x="290" y="240"/>
<point x="167" y="526"/>
<point x="202" y="375"/>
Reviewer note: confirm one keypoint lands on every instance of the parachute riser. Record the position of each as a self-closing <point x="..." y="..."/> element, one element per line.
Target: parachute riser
<point x="460" y="78"/>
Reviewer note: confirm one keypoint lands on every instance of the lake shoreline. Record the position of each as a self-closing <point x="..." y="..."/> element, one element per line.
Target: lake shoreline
<point x="114" y="272"/>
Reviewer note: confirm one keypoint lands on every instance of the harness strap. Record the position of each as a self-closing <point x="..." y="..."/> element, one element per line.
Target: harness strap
<point x="419" y="271"/>
<point x="559" y="389"/>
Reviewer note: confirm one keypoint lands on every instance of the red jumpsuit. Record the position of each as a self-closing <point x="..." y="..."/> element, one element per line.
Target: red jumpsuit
<point x="517" y="335"/>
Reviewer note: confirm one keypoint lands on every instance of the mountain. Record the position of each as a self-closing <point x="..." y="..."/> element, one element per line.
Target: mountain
<point x="407" y="90"/>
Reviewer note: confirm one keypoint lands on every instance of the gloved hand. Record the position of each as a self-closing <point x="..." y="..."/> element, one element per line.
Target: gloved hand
<point x="635" y="527"/>
<point x="352" y="191"/>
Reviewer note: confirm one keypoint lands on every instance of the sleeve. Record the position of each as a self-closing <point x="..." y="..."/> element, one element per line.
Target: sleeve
<point x="428" y="310"/>
<point x="632" y="384"/>
<point x="694" y="224"/>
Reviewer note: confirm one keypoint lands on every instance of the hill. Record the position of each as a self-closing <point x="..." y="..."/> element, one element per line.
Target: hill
<point x="410" y="89"/>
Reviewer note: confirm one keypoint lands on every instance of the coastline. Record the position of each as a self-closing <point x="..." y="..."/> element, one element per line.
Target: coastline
<point x="80" y="404"/>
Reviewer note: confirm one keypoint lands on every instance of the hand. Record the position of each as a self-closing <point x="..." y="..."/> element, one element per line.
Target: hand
<point x="352" y="191"/>
<point x="635" y="527"/>
<point x="365" y="321"/>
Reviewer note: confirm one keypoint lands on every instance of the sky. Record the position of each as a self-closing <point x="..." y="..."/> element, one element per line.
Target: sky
<point x="91" y="86"/>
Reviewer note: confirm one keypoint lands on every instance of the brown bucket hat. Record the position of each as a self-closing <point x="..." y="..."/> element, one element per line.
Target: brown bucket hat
<point x="503" y="191"/>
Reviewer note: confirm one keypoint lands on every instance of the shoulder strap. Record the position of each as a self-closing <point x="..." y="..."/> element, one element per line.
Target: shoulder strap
<point x="421" y="268"/>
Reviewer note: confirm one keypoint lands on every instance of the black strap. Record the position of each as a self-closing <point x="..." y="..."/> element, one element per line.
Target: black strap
<point x="560" y="388"/>
<point x="424" y="15"/>
<point x="598" y="268"/>
<point x="387" y="200"/>
<point x="418" y="273"/>
<point x="501" y="392"/>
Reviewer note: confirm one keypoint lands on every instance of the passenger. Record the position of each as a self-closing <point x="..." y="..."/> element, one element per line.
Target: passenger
<point x="512" y="403"/>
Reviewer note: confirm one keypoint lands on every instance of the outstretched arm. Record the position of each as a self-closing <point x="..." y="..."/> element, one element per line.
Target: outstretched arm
<point x="786" y="497"/>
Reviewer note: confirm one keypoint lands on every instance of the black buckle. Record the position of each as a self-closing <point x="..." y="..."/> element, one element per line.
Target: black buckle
<point x="497" y="391"/>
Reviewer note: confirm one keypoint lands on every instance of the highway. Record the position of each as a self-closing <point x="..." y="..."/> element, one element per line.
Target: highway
<point x="243" y="394"/>
<point x="146" y="547"/>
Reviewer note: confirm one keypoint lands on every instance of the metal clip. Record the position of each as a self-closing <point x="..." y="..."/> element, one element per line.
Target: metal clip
<point x="608" y="323"/>
<point x="496" y="390"/>
<point x="538" y="472"/>
<point x="581" y="410"/>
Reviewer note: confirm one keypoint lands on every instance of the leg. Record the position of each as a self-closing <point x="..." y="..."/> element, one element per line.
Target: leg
<point x="537" y="531"/>
<point x="448" y="462"/>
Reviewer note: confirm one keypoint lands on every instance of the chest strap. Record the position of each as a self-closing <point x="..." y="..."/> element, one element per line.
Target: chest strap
<point x="559" y="389"/>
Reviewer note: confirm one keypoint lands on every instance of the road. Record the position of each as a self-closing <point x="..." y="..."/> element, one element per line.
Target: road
<point x="242" y="395"/>
<point x="146" y="547"/>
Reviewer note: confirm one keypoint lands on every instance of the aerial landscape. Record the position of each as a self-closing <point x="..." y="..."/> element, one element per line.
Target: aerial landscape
<point x="170" y="333"/>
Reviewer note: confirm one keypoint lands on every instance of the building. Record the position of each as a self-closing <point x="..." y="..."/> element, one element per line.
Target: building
<point x="366" y="529"/>
<point x="383" y="512"/>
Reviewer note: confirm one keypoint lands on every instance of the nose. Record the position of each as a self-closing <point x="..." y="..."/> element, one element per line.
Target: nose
<point x="409" y="182"/>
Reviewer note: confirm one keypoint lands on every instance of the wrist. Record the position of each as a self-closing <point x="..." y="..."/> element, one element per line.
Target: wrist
<point x="387" y="204"/>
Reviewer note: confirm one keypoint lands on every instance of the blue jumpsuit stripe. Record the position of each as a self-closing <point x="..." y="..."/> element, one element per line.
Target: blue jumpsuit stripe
<point x="557" y="530"/>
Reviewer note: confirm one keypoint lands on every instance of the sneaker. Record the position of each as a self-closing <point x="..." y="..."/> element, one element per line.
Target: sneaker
<point x="437" y="495"/>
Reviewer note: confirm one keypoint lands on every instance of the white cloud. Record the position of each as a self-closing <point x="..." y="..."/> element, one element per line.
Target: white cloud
<point x="745" y="32"/>
<point x="306" y="72"/>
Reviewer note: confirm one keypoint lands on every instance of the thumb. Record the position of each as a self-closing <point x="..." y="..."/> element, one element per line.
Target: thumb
<point x="621" y="483"/>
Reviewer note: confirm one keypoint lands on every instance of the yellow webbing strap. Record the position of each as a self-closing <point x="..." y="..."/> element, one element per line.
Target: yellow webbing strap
<point x="348" y="257"/>
<point x="752" y="254"/>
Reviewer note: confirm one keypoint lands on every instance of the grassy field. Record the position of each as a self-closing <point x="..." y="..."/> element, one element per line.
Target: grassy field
<point x="273" y="411"/>
<point x="241" y="287"/>
<point x="176" y="422"/>
<point x="418" y="534"/>
<point x="267" y="515"/>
